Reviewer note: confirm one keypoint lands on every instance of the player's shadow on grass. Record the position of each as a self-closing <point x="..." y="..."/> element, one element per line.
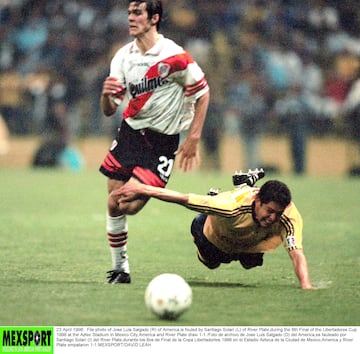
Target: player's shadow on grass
<point x="61" y="281"/>
<point x="222" y="284"/>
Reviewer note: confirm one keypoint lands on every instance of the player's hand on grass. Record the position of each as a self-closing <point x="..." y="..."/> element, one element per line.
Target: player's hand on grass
<point x="306" y="285"/>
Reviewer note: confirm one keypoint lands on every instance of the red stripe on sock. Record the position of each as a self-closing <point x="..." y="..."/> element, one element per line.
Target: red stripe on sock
<point x="123" y="234"/>
<point x="117" y="240"/>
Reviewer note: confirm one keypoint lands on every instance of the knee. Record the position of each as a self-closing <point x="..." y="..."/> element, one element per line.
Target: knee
<point x="122" y="209"/>
<point x="113" y="207"/>
<point x="130" y="208"/>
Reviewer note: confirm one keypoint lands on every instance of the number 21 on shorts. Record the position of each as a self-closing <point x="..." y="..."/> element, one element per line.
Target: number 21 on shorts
<point x="165" y="166"/>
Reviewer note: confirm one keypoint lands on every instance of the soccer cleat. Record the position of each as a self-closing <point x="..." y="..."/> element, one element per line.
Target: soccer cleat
<point x="213" y="191"/>
<point x="249" y="178"/>
<point x="118" y="277"/>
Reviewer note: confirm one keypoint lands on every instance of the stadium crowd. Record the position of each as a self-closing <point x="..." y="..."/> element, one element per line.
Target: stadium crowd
<point x="272" y="65"/>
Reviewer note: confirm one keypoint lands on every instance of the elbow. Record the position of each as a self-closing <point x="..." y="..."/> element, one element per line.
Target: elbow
<point x="107" y="106"/>
<point x="109" y="113"/>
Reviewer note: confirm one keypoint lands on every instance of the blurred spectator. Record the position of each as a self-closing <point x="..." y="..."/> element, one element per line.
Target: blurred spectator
<point x="323" y="17"/>
<point x="247" y="101"/>
<point x="351" y="115"/>
<point x="349" y="16"/>
<point x="56" y="129"/>
<point x="336" y="87"/>
<point x="211" y="136"/>
<point x="324" y="109"/>
<point x="37" y="85"/>
<point x="340" y="77"/>
<point x="92" y="77"/>
<point x="314" y="44"/>
<point x="183" y="17"/>
<point x="55" y="137"/>
<point x="312" y="77"/>
<point x="283" y="64"/>
<point x="352" y="102"/>
<point x="30" y="37"/>
<point x="295" y="114"/>
<point x="13" y="102"/>
<point x="4" y="137"/>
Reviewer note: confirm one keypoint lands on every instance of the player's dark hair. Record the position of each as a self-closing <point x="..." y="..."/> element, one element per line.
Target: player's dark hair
<point x="275" y="191"/>
<point x="153" y="7"/>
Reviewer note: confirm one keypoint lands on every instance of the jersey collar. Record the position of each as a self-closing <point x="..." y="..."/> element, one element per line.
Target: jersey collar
<point x="155" y="50"/>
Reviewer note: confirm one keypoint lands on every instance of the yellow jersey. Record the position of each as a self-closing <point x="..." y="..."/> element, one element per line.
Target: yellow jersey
<point x="232" y="228"/>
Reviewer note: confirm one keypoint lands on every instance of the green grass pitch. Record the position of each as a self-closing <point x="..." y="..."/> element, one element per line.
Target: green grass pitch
<point x="54" y="256"/>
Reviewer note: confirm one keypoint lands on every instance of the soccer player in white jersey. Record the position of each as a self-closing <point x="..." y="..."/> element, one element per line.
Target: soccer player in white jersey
<point x="166" y="93"/>
<point x="238" y="225"/>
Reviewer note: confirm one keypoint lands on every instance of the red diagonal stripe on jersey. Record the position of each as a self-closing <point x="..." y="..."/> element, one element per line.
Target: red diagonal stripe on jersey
<point x="176" y="62"/>
<point x="135" y="105"/>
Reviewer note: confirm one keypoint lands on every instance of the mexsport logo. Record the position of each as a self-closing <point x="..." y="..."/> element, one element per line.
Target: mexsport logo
<point x="25" y="339"/>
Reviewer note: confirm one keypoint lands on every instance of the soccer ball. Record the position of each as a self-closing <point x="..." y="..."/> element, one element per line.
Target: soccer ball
<point x="168" y="296"/>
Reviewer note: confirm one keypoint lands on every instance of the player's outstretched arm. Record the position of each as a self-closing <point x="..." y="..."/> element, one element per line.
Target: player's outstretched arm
<point x="301" y="268"/>
<point x="132" y="191"/>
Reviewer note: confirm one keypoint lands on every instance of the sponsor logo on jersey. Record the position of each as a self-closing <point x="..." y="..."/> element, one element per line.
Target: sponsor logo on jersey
<point x="149" y="84"/>
<point x="146" y="85"/>
<point x="164" y="69"/>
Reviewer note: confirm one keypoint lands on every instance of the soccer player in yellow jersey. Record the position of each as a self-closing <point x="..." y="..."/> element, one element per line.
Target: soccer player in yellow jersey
<point x="237" y="225"/>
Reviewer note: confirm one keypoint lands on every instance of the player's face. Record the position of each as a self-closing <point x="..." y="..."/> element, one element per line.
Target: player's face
<point x="139" y="24"/>
<point x="267" y="213"/>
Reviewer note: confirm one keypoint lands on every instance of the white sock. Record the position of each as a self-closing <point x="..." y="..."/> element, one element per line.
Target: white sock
<point x="117" y="234"/>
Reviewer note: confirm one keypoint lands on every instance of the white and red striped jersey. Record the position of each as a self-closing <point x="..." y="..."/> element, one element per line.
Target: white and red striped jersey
<point x="162" y="86"/>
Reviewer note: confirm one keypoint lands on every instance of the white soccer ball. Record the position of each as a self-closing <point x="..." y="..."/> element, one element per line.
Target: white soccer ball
<point x="168" y="296"/>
